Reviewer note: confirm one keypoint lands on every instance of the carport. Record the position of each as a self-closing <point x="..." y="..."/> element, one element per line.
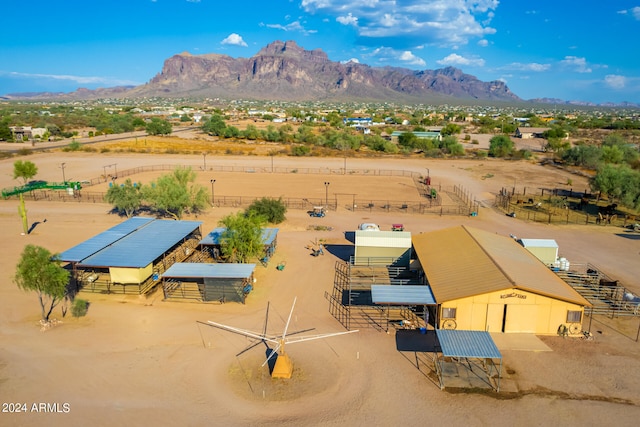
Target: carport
<point x="468" y="359"/>
<point x="208" y="282"/>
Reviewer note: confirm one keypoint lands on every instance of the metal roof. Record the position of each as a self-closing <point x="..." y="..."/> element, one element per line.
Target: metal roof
<point x="211" y="271"/>
<point x="104" y="239"/>
<point x="468" y="344"/>
<point x="402" y="295"/>
<point x="140" y="248"/>
<point x="462" y="261"/>
<point x="213" y="238"/>
<point x="383" y="239"/>
<point x="538" y="243"/>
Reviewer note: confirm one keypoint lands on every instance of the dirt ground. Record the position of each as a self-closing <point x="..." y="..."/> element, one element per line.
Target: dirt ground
<point x="145" y="361"/>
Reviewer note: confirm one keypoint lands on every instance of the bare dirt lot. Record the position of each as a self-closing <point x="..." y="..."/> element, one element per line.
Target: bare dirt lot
<point x="145" y="361"/>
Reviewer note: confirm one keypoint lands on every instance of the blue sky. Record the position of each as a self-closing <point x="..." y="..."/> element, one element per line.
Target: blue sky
<point x="572" y="50"/>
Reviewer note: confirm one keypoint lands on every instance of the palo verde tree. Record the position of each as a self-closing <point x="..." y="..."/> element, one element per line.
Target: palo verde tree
<point x="242" y="239"/>
<point x="619" y="182"/>
<point x="125" y="198"/>
<point x="176" y="194"/>
<point x="24" y="170"/>
<point x="40" y="271"/>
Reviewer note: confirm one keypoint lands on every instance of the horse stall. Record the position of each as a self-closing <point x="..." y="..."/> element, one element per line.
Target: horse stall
<point x="208" y="282"/>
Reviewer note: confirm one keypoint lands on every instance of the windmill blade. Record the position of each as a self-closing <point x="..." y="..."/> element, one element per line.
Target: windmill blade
<point x="252" y="345"/>
<point x="273" y="352"/>
<point x="317" y="337"/>
<point x="284" y="334"/>
<point x="241" y="331"/>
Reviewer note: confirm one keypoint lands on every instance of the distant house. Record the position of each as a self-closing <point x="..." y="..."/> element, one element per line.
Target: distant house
<point x="357" y="121"/>
<point x="530" y="132"/>
<point x="421" y="135"/>
<point x="21" y="133"/>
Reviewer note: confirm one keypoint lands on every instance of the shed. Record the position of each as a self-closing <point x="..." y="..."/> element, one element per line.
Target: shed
<point x="125" y="257"/>
<point x="208" y="282"/>
<point x="487" y="282"/>
<point x="546" y="250"/>
<point x="382" y="247"/>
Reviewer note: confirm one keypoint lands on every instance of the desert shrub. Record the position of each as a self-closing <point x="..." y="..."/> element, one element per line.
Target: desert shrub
<point x="79" y="307"/>
<point x="300" y="150"/>
<point x="24" y="152"/>
<point x="73" y="146"/>
<point x="105" y="150"/>
<point x="271" y="209"/>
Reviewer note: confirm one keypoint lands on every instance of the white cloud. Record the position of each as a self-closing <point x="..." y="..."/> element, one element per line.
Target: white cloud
<point x="483" y="43"/>
<point x="234" y="39"/>
<point x="531" y="66"/>
<point x="293" y="26"/>
<point x="390" y="55"/>
<point x="578" y="64"/>
<point x="94" y="80"/>
<point x="436" y="22"/>
<point x="455" y="59"/>
<point x="615" y="81"/>
<point x="410" y="58"/>
<point x="353" y="60"/>
<point x="635" y="12"/>
<point x="348" y="20"/>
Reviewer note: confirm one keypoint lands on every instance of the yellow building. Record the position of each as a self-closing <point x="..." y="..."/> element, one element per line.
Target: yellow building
<point x="487" y="282"/>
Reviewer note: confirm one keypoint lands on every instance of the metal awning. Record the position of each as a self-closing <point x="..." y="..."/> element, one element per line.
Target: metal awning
<point x="402" y="295"/>
<point x="478" y="351"/>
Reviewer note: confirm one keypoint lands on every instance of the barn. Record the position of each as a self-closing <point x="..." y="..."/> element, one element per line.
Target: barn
<point x="129" y="257"/>
<point x="208" y="281"/>
<point x="482" y="281"/>
<point x="386" y="247"/>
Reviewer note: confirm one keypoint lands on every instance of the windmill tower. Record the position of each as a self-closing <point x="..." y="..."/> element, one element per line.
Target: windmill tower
<point x="283" y="366"/>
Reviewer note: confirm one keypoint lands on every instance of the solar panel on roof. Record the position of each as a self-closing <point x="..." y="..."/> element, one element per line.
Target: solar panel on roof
<point x="104" y="239"/>
<point x="139" y="249"/>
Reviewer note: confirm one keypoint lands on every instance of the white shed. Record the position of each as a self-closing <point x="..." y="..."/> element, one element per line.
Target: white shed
<point x="546" y="250"/>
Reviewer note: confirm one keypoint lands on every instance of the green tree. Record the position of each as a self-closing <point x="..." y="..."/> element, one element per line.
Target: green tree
<point x="242" y="239"/>
<point x="588" y="156"/>
<point x="215" y="125"/>
<point x="24" y="170"/>
<point x="408" y="140"/>
<point x="612" y="154"/>
<point x="450" y="145"/>
<point x="5" y="132"/>
<point x="125" y="198"/>
<point x="619" y="182"/>
<point x="176" y="194"/>
<point x="500" y="146"/>
<point x="159" y="127"/>
<point x="450" y="129"/>
<point x="40" y="271"/>
<point x="271" y="210"/>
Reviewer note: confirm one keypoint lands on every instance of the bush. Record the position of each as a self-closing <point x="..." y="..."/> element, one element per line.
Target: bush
<point x="300" y="150"/>
<point x="271" y="209"/>
<point x="79" y="307"/>
<point x="74" y="146"/>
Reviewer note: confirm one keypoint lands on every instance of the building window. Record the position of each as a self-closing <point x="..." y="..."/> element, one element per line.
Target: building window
<point x="448" y="313"/>
<point x="574" y="316"/>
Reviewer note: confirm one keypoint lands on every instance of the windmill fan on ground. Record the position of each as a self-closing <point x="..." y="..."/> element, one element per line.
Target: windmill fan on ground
<point x="279" y="362"/>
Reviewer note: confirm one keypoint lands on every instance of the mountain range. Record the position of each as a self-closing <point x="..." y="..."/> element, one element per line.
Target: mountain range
<point x="285" y="71"/>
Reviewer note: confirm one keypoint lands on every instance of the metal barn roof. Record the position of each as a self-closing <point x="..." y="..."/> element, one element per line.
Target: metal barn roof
<point x="213" y="238"/>
<point x="142" y="247"/>
<point x="211" y="271"/>
<point x="469" y="344"/>
<point x="462" y="261"/>
<point x="104" y="239"/>
<point x="383" y="239"/>
<point x="402" y="295"/>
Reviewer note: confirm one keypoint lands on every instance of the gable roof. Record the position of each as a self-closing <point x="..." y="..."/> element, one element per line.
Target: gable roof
<point x="462" y="261"/>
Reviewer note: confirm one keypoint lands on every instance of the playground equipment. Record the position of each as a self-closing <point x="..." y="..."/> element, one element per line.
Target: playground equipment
<point x="282" y="367"/>
<point x="397" y="227"/>
<point x="41" y="185"/>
